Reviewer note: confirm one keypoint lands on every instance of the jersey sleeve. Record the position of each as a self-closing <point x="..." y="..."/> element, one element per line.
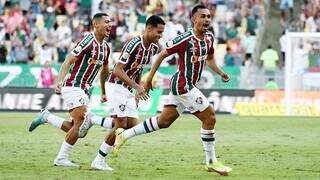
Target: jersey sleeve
<point x="175" y="45"/>
<point x="82" y="44"/>
<point x="127" y="49"/>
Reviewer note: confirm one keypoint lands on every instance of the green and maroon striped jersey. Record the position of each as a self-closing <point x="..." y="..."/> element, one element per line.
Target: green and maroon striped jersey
<point x="91" y="55"/>
<point x="135" y="57"/>
<point x="192" y="53"/>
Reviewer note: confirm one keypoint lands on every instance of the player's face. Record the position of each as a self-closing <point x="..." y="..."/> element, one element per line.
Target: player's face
<point x="201" y="20"/>
<point x="156" y="33"/>
<point x="103" y="26"/>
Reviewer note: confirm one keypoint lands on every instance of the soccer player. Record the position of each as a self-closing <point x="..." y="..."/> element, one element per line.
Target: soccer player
<point x="195" y="48"/>
<point x="135" y="55"/>
<point x="84" y="62"/>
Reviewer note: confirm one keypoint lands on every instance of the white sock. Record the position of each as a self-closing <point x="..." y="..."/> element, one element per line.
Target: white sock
<point x="102" y="121"/>
<point x="104" y="150"/>
<point x="64" y="150"/>
<point x="208" y="139"/>
<point x="54" y="120"/>
<point x="147" y="126"/>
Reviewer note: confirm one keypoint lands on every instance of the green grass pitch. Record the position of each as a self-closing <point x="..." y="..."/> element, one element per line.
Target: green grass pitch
<point x="255" y="147"/>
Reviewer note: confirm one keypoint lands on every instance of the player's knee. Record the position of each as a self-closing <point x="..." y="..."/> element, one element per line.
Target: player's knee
<point x="121" y="122"/>
<point x="210" y="121"/>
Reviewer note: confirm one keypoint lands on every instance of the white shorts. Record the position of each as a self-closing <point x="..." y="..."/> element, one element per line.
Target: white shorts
<point x="121" y="101"/>
<point x="74" y="97"/>
<point x="193" y="100"/>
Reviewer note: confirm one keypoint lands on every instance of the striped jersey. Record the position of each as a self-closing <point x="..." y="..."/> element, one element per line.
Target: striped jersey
<point x="192" y="53"/>
<point x="135" y="57"/>
<point x="91" y="55"/>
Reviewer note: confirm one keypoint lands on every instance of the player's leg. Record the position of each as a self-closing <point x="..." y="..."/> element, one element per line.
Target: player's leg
<point x="106" y="148"/>
<point x="92" y="119"/>
<point x="76" y="101"/>
<point x="46" y="117"/>
<point x="199" y="106"/>
<point x="119" y="96"/>
<point x="78" y="114"/>
<point x="164" y="120"/>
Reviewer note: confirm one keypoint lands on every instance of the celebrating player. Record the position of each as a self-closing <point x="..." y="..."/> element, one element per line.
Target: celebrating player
<point x="135" y="54"/>
<point x="86" y="59"/>
<point x="195" y="48"/>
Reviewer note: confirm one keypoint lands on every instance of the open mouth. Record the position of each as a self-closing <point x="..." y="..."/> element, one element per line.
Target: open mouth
<point x="206" y="25"/>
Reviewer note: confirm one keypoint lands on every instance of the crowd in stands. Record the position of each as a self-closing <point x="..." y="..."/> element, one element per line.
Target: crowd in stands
<point x="37" y="31"/>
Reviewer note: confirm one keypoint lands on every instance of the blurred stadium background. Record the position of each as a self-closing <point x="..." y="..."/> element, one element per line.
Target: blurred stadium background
<point x="251" y="45"/>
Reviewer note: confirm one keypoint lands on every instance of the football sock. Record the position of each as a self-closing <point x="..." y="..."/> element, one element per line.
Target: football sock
<point x="54" y="120"/>
<point x="208" y="139"/>
<point x="147" y="126"/>
<point x="102" y="121"/>
<point x="64" y="150"/>
<point x="104" y="150"/>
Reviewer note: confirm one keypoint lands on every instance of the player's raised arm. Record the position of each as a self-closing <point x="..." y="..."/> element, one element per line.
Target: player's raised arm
<point x="71" y="59"/>
<point x="162" y="55"/>
<point x="212" y="64"/>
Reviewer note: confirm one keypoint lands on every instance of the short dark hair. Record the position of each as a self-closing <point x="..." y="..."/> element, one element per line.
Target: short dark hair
<point x="154" y="20"/>
<point x="195" y="9"/>
<point x="99" y="16"/>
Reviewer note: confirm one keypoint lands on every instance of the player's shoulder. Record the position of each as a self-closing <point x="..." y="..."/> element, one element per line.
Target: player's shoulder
<point x="179" y="39"/>
<point x="132" y="43"/>
<point x="86" y="38"/>
<point x="183" y="36"/>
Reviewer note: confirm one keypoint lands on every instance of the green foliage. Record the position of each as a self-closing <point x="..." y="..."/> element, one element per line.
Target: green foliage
<point x="255" y="147"/>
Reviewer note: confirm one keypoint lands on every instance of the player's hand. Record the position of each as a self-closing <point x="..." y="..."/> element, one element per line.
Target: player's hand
<point x="103" y="98"/>
<point x="57" y="89"/>
<point x="140" y="91"/>
<point x="147" y="86"/>
<point x="225" y="77"/>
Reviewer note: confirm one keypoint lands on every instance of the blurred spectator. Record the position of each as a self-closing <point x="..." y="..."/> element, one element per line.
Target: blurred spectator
<point x="249" y="44"/>
<point x="231" y="32"/>
<point x="228" y="58"/>
<point x="284" y="6"/>
<point x="32" y="23"/>
<point x="46" y="79"/>
<point x="269" y="58"/>
<point x="271" y="84"/>
<point x="283" y="45"/>
<point x="47" y="54"/>
<point x="300" y="64"/>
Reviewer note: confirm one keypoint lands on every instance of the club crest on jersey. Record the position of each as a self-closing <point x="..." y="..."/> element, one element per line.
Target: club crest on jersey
<point x="81" y="101"/>
<point x="199" y="100"/>
<point x="122" y="107"/>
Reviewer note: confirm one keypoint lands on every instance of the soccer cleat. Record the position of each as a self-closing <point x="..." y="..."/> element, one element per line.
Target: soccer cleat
<point x="84" y="128"/>
<point x="100" y="165"/>
<point x="65" y="163"/>
<point x="120" y="140"/>
<point x="219" y="168"/>
<point x="39" y="119"/>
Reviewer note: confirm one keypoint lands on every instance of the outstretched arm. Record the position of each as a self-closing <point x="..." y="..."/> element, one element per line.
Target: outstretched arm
<point x="71" y="59"/>
<point x="212" y="64"/>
